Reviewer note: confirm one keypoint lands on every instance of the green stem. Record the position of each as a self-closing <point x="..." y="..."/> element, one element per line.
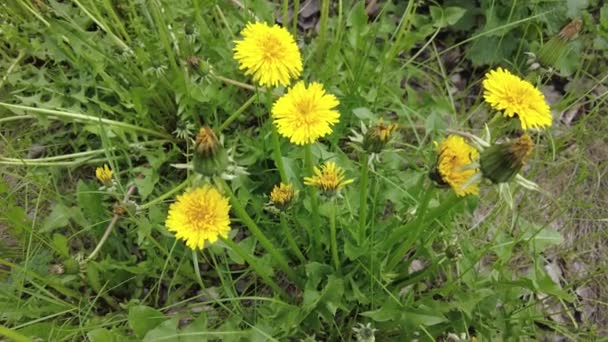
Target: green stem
<point x="109" y="228"/>
<point x="11" y="67"/>
<point x="87" y="119"/>
<point x="257" y="232"/>
<point x="164" y="196"/>
<point x="406" y="20"/>
<point x="285" y="13"/>
<point x="254" y="264"/>
<point x="333" y="238"/>
<point x="79" y="154"/>
<point x="197" y="270"/>
<point x="237" y="113"/>
<point x="290" y="239"/>
<point x="363" y="196"/>
<point x="314" y="203"/>
<point x="296" y="12"/>
<point x="322" y="28"/>
<point x="418" y="225"/>
<point x="13" y="335"/>
<point x="278" y="158"/>
<point x="276" y="143"/>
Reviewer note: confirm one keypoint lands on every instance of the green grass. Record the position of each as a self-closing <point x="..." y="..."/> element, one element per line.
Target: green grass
<point x="83" y="83"/>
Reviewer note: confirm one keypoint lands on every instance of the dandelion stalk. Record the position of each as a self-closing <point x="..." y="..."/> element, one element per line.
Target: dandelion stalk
<point x="110" y="227"/>
<point x="237" y="113"/>
<point x="314" y="201"/>
<point x="322" y="28"/>
<point x="254" y="265"/>
<point x="240" y="211"/>
<point x="164" y="196"/>
<point x="333" y="238"/>
<point x="197" y="270"/>
<point x="285" y="13"/>
<point x="276" y="143"/>
<point x="290" y="239"/>
<point x="420" y="223"/>
<point x="363" y="193"/>
<point x="296" y="12"/>
<point x="278" y="157"/>
<point x="417" y="224"/>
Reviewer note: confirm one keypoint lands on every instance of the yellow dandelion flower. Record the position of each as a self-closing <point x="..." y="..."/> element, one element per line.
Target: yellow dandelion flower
<point x="305" y="114"/>
<point x="269" y="53"/>
<point x="199" y="215"/>
<point x="329" y="178"/>
<point x="516" y="97"/>
<point x="104" y="174"/>
<point x="282" y="194"/>
<point x="454" y="165"/>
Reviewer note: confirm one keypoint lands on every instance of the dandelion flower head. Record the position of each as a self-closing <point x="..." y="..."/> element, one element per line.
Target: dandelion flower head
<point x="328" y="177"/>
<point x="516" y="97"/>
<point x="454" y="165"/>
<point x="104" y="174"/>
<point x="269" y="53"/>
<point x="282" y="194"/>
<point x="305" y="114"/>
<point x="199" y="215"/>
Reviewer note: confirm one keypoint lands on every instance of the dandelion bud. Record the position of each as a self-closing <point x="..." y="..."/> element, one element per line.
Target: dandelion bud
<point x="282" y="195"/>
<point x="378" y="136"/>
<point x="104" y="175"/>
<point x="557" y="46"/>
<point x="210" y="158"/>
<point x="501" y="162"/>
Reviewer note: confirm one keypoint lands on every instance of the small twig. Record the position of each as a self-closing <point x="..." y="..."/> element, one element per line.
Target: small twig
<point x="110" y="227"/>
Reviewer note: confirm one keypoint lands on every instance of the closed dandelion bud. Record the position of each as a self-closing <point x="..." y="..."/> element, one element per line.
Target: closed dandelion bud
<point x="501" y="162"/>
<point x="378" y="136"/>
<point x="557" y="46"/>
<point x="210" y="158"/>
<point x="282" y="195"/>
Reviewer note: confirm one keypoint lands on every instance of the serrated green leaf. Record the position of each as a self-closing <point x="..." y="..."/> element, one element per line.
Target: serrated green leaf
<point x="165" y="331"/>
<point x="60" y="244"/>
<point x="443" y="17"/>
<point x="58" y="218"/>
<point x="143" y="318"/>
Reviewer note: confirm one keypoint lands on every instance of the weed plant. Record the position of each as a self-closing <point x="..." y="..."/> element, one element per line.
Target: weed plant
<point x="152" y="192"/>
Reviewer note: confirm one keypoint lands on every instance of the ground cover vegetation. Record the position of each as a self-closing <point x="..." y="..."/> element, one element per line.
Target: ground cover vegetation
<point x="302" y="170"/>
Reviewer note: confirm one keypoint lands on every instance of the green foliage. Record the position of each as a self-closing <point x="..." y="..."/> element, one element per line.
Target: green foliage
<point x="419" y="265"/>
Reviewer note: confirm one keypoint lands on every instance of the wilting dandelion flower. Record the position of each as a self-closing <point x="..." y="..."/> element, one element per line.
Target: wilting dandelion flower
<point x="378" y="136"/>
<point x="305" y="114"/>
<point x="501" y="162"/>
<point x="516" y="97"/>
<point x="104" y="174"/>
<point x="282" y="194"/>
<point x="328" y="177"/>
<point x="210" y="158"/>
<point x="198" y="216"/>
<point x="455" y="165"/>
<point x="269" y="53"/>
